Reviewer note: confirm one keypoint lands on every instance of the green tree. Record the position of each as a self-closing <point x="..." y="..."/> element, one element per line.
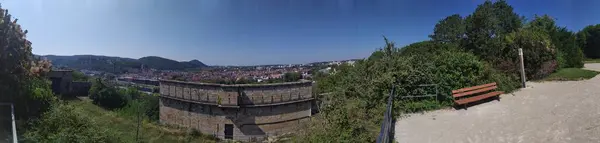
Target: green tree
<point x="590" y="39"/>
<point x="543" y="23"/>
<point x="449" y="30"/>
<point x="79" y="76"/>
<point x="22" y="80"/>
<point x="291" y="76"/>
<point x="487" y="25"/>
<point x="568" y="53"/>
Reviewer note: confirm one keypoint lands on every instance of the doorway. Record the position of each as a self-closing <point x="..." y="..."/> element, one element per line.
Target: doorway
<point x="228" y="131"/>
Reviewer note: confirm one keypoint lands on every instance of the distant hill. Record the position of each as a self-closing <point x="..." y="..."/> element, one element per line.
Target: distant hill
<point x="119" y="64"/>
<point x="168" y="64"/>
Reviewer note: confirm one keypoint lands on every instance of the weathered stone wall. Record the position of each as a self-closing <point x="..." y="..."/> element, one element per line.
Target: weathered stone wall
<point x="80" y="88"/>
<point x="262" y="110"/>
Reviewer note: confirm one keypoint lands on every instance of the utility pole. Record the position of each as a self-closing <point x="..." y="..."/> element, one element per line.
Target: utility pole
<point x="522" y="67"/>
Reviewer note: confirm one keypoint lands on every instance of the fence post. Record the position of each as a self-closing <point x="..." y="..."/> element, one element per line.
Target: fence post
<point x="14" y="127"/>
<point x="522" y="67"/>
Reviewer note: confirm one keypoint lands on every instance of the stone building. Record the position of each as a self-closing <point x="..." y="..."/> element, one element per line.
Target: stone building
<point x="61" y="80"/>
<point x="62" y="83"/>
<point x="247" y="112"/>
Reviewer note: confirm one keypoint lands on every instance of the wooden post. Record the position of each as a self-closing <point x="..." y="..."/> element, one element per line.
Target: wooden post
<point x="522" y="68"/>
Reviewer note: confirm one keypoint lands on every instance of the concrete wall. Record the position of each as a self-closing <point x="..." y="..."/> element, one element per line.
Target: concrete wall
<point x="256" y="111"/>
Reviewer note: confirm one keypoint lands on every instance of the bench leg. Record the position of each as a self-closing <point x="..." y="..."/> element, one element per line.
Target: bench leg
<point x="498" y="97"/>
<point x="465" y="106"/>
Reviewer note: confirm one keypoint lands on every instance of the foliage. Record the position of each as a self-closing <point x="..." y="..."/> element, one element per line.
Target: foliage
<point x="425" y="48"/>
<point x="538" y="52"/>
<point x="65" y="123"/>
<point x="589" y="39"/>
<point x="139" y="103"/>
<point x="490" y="21"/>
<point x="21" y="74"/>
<point x="568" y="52"/>
<point x="292" y="76"/>
<point x="126" y="127"/>
<point x="449" y="30"/>
<point x="354" y="108"/>
<point x="79" y="76"/>
<point x="107" y="96"/>
<point x="572" y="74"/>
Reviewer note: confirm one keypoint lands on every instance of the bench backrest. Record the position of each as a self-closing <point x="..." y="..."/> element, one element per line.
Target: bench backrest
<point x="473" y="90"/>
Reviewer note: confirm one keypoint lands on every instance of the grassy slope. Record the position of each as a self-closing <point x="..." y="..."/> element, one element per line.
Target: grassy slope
<point x="126" y="128"/>
<point x="572" y="74"/>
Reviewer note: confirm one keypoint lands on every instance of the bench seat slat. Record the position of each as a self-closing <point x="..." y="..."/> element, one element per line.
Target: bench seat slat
<point x="477" y="98"/>
<point x="472" y="88"/>
<point x="474" y="91"/>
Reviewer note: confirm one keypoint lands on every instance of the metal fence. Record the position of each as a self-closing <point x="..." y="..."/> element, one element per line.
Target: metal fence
<point x="385" y="134"/>
<point x="386" y="125"/>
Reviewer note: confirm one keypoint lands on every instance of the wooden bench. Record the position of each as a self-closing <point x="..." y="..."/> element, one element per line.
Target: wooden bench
<point x="471" y="94"/>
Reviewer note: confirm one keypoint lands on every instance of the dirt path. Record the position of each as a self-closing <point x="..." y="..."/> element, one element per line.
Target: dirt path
<point x="543" y="112"/>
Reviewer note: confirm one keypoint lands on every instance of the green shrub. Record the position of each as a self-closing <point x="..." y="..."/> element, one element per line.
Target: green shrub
<point x="110" y="97"/>
<point x="65" y="123"/>
<point x="538" y="52"/>
<point x="146" y="106"/>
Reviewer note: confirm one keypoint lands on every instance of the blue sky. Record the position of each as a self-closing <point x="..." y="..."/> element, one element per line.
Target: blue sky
<point x="249" y="32"/>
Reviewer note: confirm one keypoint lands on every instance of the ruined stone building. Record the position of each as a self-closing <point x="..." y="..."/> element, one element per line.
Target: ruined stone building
<point x="247" y="112"/>
<point x="62" y="83"/>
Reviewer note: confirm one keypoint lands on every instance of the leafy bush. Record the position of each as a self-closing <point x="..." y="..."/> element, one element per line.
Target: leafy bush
<point x="108" y="97"/>
<point x="79" y="76"/>
<point x="65" y="123"/>
<point x="568" y="52"/>
<point x="538" y="52"/>
<point x="146" y="106"/>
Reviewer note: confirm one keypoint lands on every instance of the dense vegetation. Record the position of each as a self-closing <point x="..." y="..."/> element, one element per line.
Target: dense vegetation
<point x="589" y="40"/>
<point x="121" y="65"/>
<point x="22" y="80"/>
<point x="463" y="51"/>
<point x="112" y="115"/>
<point x="129" y="101"/>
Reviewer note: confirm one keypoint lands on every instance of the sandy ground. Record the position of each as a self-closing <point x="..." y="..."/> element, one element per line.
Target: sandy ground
<point x="543" y="112"/>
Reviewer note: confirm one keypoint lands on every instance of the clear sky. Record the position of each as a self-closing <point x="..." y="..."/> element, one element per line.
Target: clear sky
<point x="248" y="32"/>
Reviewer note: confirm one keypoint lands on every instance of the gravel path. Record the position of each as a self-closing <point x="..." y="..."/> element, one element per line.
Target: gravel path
<point x="541" y="113"/>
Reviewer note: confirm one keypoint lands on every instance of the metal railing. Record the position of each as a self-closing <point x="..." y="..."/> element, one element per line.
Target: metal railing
<point x="386" y="125"/>
<point x="12" y="116"/>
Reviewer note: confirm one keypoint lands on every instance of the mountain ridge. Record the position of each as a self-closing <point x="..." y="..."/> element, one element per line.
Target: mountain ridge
<point x="120" y="64"/>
